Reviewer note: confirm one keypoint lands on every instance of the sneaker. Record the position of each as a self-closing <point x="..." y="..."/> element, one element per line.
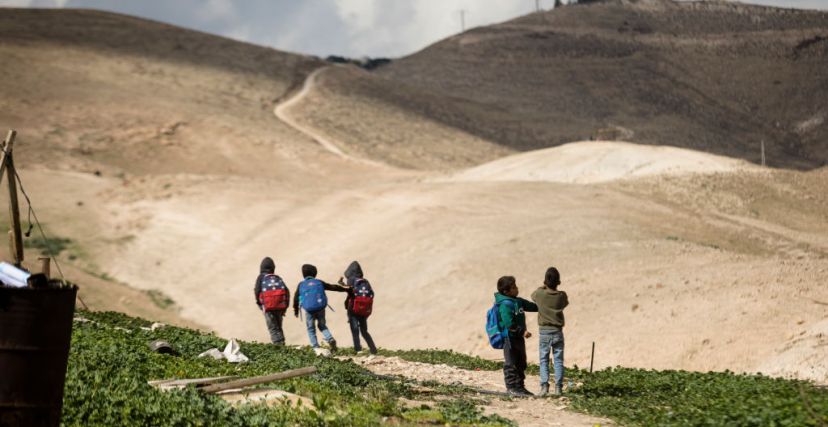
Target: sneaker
<point x="519" y="392"/>
<point x="332" y="343"/>
<point x="544" y="390"/>
<point x="558" y="390"/>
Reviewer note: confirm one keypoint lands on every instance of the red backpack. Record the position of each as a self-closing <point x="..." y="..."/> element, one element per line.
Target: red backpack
<point x="363" y="301"/>
<point x="274" y="294"/>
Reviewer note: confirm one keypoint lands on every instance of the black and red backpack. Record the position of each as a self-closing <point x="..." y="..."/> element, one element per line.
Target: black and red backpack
<point x="363" y="301"/>
<point x="274" y="295"/>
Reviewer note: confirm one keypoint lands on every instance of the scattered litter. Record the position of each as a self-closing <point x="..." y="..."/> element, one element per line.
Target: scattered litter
<point x="13" y="276"/>
<point x="118" y="328"/>
<point x="157" y="325"/>
<point x="214" y="353"/>
<point x="324" y="352"/>
<point x="163" y="347"/>
<point x="232" y="352"/>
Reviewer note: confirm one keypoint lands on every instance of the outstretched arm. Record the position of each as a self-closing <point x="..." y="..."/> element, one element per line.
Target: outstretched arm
<point x="528" y="305"/>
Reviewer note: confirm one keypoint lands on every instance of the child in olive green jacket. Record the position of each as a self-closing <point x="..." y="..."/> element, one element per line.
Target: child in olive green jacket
<point x="551" y="303"/>
<point x="512" y="318"/>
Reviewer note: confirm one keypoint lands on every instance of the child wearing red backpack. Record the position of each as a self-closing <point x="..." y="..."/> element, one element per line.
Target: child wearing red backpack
<point x="273" y="298"/>
<point x="359" y="304"/>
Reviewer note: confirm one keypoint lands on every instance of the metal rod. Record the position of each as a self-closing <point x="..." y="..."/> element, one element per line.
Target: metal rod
<point x="592" y="357"/>
<point x="259" y="380"/>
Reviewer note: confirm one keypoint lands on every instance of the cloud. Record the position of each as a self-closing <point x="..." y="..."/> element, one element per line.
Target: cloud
<point x="322" y="27"/>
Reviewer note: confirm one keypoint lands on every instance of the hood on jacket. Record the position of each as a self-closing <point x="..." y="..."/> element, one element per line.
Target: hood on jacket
<point x="353" y="271"/>
<point x="267" y="266"/>
<point x="501" y="297"/>
<point x="308" y="270"/>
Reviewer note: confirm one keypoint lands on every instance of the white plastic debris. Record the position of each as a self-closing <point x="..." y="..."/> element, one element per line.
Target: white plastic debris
<point x="157" y="325"/>
<point x="214" y="353"/>
<point x="232" y="353"/>
<point x="324" y="352"/>
<point x="13" y="276"/>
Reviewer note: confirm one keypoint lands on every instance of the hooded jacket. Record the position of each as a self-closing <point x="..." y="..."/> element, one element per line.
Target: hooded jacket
<point x="512" y="315"/>
<point x="352" y="273"/>
<point x="266" y="267"/>
<point x="551" y="304"/>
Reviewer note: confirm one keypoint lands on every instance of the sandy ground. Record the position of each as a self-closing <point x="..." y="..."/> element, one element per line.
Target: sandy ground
<point x="550" y="411"/>
<point x="589" y="162"/>
<point x="176" y="176"/>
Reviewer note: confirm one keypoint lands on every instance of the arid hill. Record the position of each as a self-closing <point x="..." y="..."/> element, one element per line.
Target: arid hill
<point x="713" y="76"/>
<point x="173" y="161"/>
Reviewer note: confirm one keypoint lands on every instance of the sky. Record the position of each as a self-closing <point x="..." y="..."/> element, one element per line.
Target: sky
<point x="352" y="28"/>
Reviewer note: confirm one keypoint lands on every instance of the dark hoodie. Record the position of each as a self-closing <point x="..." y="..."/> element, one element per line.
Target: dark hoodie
<point x="353" y="272"/>
<point x="267" y="267"/>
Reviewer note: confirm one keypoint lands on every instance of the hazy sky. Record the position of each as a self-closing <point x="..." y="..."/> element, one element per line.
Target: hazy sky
<point x="352" y="28"/>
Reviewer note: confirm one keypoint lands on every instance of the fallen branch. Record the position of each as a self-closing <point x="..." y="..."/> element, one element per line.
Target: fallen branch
<point x="215" y="388"/>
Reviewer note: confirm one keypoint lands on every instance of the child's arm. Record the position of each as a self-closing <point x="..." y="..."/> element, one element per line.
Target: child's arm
<point x="528" y="305"/>
<point x="334" y="287"/>
<point x="257" y="289"/>
<point x="296" y="300"/>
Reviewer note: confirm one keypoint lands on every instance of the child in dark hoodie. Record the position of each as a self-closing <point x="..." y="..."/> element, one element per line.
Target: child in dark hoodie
<point x="273" y="318"/>
<point x="512" y="318"/>
<point x="359" y="324"/>
<point x="551" y="303"/>
<point x="314" y="319"/>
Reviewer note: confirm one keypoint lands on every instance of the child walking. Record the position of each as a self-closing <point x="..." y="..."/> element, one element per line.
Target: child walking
<point x="273" y="299"/>
<point x="359" y="305"/>
<point x="512" y="318"/>
<point x="551" y="303"/>
<point x="310" y="296"/>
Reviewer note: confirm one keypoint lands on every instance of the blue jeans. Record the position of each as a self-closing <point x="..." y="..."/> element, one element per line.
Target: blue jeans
<point x="312" y="320"/>
<point x="551" y="340"/>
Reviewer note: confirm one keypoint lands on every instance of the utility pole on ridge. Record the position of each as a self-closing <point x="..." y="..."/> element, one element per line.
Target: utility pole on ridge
<point x="462" y="20"/>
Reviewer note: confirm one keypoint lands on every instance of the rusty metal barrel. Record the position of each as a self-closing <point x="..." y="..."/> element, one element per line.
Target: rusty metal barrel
<point x="35" y="333"/>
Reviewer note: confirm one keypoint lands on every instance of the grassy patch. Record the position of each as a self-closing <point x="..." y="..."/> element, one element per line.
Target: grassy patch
<point x="160" y="299"/>
<point x="680" y="398"/>
<point x="455" y="412"/>
<point x="50" y="246"/>
<point x="106" y="383"/>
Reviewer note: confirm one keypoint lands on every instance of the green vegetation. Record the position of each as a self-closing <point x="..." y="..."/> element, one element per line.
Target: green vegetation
<point x="49" y="246"/>
<point x="680" y="398"/>
<point x="160" y="299"/>
<point x="672" y="398"/>
<point x="454" y="412"/>
<point x="110" y="364"/>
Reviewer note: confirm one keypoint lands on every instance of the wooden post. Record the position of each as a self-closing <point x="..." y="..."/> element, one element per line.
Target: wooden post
<point x="763" y="152"/>
<point x="14" y="209"/>
<point x="215" y="388"/>
<point x="45" y="267"/>
<point x="592" y="357"/>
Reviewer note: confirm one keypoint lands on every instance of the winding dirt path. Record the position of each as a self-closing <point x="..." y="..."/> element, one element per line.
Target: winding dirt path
<point x="281" y="113"/>
<point x="526" y="412"/>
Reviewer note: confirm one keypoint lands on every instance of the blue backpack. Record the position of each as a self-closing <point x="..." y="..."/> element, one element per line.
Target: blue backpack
<point x="497" y="336"/>
<point x="312" y="295"/>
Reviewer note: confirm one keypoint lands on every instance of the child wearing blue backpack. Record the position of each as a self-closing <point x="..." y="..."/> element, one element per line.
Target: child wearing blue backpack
<point x="310" y="296"/>
<point x="511" y="331"/>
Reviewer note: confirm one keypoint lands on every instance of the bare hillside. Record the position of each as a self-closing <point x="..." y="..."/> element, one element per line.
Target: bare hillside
<point x="712" y="76"/>
<point x="174" y="161"/>
<point x="93" y="91"/>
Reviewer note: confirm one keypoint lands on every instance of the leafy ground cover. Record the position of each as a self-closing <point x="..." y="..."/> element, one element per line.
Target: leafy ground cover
<point x="110" y="363"/>
<point x="672" y="398"/>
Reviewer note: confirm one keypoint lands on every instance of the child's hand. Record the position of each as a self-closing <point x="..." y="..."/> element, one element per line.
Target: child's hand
<point x="527" y="334"/>
<point x="341" y="280"/>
